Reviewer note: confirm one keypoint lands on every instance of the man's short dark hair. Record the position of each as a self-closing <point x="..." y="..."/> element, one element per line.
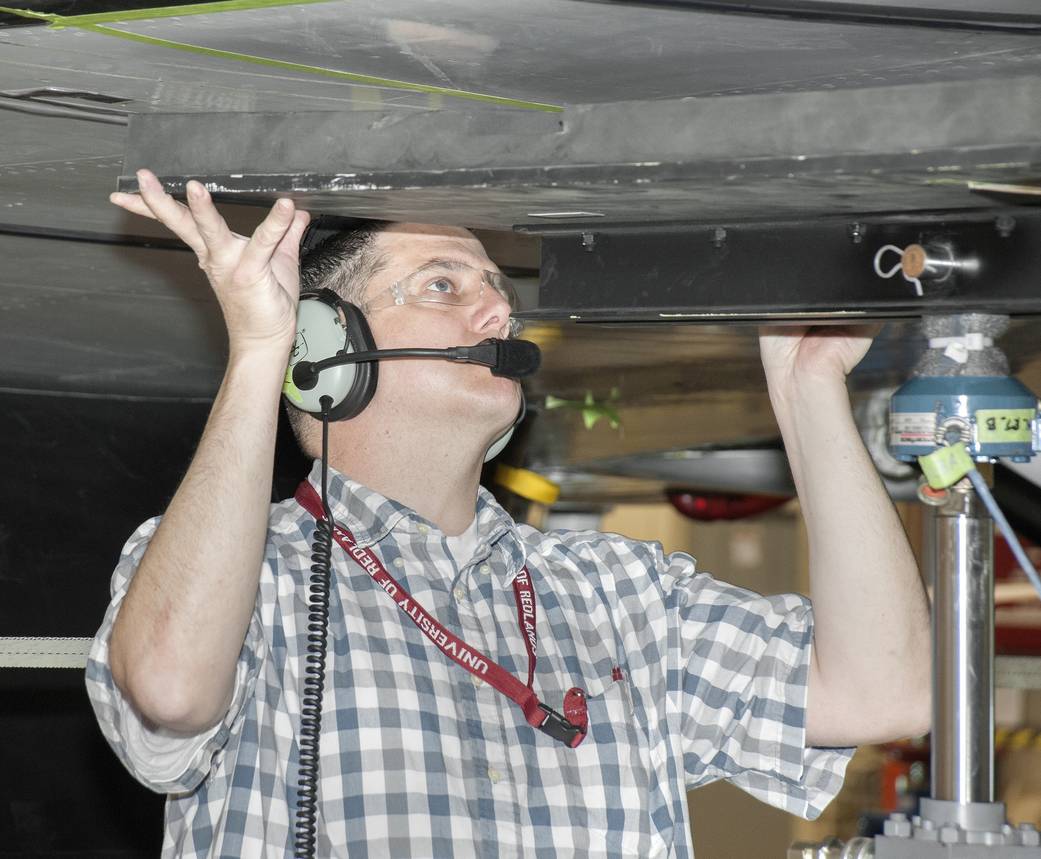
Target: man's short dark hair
<point x="345" y="263"/>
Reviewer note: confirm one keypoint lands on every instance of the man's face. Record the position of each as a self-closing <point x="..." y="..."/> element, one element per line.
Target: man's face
<point x="434" y="387"/>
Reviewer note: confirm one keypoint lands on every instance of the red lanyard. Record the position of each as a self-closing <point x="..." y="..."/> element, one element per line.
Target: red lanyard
<point x="570" y="729"/>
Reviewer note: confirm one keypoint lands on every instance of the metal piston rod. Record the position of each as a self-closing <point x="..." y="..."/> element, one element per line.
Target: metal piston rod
<point x="963" y="650"/>
<point x="960" y="539"/>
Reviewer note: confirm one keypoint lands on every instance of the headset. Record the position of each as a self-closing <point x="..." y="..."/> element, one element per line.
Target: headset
<point x="332" y="374"/>
<point x="335" y="356"/>
<point x="328" y="326"/>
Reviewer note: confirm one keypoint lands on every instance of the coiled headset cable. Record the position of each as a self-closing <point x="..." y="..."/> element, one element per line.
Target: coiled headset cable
<point x="314" y="672"/>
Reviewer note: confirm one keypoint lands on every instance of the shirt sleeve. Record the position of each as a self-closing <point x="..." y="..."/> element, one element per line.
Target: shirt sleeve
<point x="742" y="668"/>
<point x="162" y="760"/>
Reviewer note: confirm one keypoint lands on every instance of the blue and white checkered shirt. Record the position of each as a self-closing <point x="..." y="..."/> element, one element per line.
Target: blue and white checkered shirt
<point x="420" y="760"/>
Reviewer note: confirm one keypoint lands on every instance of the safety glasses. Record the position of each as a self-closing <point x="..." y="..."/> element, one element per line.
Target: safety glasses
<point x="449" y="282"/>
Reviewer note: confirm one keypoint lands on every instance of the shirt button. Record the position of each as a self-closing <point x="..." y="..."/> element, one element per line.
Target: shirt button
<point x="484" y="568"/>
<point x="494" y="775"/>
<point x="399" y="562"/>
<point x="459" y="594"/>
<point x="423" y="529"/>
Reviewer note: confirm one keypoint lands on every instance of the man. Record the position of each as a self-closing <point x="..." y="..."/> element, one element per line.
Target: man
<point x="197" y="670"/>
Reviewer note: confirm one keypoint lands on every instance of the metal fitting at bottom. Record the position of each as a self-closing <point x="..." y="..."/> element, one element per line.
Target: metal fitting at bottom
<point x="833" y="848"/>
<point x="974" y="830"/>
<point x="944" y="830"/>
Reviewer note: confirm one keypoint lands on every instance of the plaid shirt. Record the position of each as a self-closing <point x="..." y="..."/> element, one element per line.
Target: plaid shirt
<point x="419" y="760"/>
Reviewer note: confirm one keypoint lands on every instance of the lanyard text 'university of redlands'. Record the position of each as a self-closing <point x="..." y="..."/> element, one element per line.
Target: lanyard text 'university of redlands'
<point x="569" y="729"/>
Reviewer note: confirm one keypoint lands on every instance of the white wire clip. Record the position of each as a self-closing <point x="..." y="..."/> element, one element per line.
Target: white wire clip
<point x="933" y="262"/>
<point x="898" y="267"/>
<point x="958" y="348"/>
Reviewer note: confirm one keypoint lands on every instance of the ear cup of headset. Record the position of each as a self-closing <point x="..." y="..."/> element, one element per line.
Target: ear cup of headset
<point x="500" y="443"/>
<point x="326" y="326"/>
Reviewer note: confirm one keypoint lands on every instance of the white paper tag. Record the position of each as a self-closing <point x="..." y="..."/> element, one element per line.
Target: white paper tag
<point x="912" y="428"/>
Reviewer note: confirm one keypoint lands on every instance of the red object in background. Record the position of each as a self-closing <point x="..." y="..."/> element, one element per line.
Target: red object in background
<point x="1017" y="628"/>
<point x="716" y="506"/>
<point x="895" y="774"/>
<point x="1005" y="563"/>
<point x="1016" y="639"/>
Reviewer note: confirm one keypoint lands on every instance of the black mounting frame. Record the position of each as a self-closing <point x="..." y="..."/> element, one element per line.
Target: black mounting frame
<point x="822" y="268"/>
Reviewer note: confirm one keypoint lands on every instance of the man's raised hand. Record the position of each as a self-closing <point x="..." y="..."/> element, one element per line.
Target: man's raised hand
<point x="806" y="355"/>
<point x="256" y="279"/>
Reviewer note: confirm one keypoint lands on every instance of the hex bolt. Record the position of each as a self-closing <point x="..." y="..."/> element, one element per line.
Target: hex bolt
<point x="897" y="826"/>
<point x="1004" y="224"/>
<point x="588" y="241"/>
<point x="856" y="232"/>
<point x="1028" y="835"/>
<point x="719" y="237"/>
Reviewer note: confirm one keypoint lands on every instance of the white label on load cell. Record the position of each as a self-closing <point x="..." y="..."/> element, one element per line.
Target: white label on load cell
<point x="912" y="428"/>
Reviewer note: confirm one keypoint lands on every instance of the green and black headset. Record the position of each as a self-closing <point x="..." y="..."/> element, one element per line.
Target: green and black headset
<point x="334" y="355"/>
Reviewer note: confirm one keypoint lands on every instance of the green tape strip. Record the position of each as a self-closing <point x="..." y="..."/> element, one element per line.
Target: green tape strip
<point x="58" y="22"/>
<point x="1004" y="426"/>
<point x="79" y="22"/>
<point x="946" y="466"/>
<point x="28" y="13"/>
<point x="175" y="11"/>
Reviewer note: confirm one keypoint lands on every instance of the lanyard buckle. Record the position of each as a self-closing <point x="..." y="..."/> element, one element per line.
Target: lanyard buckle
<point x="558" y="727"/>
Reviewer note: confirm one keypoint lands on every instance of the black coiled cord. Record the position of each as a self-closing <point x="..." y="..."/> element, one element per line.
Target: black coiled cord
<point x="314" y="672"/>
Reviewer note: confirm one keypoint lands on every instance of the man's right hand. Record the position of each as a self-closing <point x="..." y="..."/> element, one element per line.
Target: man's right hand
<point x="176" y="640"/>
<point x="256" y="280"/>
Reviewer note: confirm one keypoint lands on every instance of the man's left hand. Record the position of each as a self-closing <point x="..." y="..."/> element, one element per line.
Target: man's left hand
<point x="871" y="617"/>
<point x="795" y="354"/>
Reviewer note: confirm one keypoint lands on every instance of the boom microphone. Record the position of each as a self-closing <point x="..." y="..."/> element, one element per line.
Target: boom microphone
<point x="513" y="359"/>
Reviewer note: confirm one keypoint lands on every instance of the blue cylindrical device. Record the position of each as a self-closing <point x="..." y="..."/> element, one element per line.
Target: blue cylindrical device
<point x="994" y="416"/>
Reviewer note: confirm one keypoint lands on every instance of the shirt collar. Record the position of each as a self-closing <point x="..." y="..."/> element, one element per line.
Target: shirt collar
<point x="370" y="516"/>
<point x="499" y="532"/>
<point x="362" y="511"/>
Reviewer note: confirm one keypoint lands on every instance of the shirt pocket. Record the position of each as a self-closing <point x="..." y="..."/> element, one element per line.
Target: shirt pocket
<point x="613" y="715"/>
<point x="616" y="730"/>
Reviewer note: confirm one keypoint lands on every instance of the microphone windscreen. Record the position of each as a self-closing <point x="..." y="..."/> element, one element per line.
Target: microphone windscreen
<point x="517" y="358"/>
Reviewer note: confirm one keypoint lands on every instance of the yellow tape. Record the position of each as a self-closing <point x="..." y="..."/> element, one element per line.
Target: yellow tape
<point x="1004" y="426"/>
<point x="527" y="484"/>
<point x="88" y="23"/>
<point x="1015" y="739"/>
<point x="290" y="389"/>
<point x="946" y="466"/>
